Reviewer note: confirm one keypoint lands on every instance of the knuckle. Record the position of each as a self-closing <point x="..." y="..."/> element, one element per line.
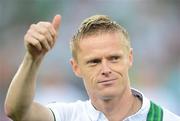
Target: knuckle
<point x="42" y="38"/>
<point x="48" y="24"/>
<point x="44" y="31"/>
<point x="40" y="23"/>
<point x="44" y="23"/>
<point x="27" y="36"/>
<point x="29" y="31"/>
<point x="32" y="26"/>
<point x="36" y="43"/>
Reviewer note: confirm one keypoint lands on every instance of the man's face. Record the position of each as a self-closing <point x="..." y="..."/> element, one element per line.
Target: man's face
<point x="103" y="62"/>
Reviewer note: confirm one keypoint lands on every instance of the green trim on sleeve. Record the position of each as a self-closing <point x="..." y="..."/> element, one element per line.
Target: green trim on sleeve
<point x="155" y="113"/>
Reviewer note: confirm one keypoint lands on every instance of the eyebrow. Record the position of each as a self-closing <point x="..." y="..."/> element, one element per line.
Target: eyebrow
<point x="114" y="55"/>
<point x="117" y="54"/>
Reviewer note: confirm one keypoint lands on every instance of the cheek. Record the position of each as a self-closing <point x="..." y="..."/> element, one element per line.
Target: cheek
<point x="120" y="68"/>
<point x="90" y="76"/>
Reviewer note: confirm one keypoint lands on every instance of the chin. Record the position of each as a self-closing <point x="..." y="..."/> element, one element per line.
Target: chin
<point x="106" y="98"/>
<point x="108" y="95"/>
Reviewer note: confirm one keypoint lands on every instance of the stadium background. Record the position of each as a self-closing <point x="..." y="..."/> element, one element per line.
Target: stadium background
<point x="154" y="28"/>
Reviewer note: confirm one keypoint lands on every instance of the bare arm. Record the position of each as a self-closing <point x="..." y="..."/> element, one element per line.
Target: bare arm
<point x="19" y="104"/>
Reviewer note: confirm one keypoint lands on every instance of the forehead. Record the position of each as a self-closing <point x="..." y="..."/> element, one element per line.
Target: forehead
<point x="102" y="44"/>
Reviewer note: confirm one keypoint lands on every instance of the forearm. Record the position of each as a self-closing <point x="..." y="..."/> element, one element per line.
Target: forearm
<point x="22" y="88"/>
<point x="19" y="105"/>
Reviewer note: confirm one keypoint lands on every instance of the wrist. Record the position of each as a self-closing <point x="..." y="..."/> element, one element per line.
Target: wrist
<point x="33" y="59"/>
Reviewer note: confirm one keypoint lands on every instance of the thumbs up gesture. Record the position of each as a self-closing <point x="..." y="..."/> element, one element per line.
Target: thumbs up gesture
<point x="41" y="37"/>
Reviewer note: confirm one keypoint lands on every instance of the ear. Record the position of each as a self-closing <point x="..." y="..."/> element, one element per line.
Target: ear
<point x="131" y="57"/>
<point x="75" y="67"/>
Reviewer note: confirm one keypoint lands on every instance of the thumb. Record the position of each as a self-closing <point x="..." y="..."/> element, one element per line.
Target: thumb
<point x="56" y="22"/>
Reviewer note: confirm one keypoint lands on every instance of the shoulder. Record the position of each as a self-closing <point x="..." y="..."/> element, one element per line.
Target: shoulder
<point x="67" y="111"/>
<point x="151" y="107"/>
<point x="169" y="116"/>
<point x="159" y="112"/>
<point x="68" y="107"/>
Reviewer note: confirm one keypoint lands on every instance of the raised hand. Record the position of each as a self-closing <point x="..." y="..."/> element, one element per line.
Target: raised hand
<point x="41" y="37"/>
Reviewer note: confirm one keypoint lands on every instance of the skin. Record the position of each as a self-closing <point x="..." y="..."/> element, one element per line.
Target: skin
<point x="103" y="63"/>
<point x="19" y="103"/>
<point x="105" y="76"/>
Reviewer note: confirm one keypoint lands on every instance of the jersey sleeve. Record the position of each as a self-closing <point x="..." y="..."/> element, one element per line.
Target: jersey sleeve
<point x="67" y="111"/>
<point x="61" y="111"/>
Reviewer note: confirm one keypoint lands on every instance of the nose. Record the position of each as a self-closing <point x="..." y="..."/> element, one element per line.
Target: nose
<point x="106" y="70"/>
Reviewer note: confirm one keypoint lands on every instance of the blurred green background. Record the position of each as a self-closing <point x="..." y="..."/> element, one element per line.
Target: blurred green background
<point x="154" y="28"/>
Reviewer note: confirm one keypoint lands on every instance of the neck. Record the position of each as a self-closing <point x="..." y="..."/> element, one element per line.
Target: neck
<point x="118" y="108"/>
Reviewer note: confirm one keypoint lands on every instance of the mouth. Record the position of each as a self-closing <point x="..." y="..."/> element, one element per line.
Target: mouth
<point x="107" y="82"/>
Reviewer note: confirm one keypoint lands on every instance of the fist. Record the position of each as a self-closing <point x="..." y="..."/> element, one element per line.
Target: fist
<point x="41" y="37"/>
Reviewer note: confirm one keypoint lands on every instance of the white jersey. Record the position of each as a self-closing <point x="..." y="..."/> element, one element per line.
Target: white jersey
<point x="84" y="111"/>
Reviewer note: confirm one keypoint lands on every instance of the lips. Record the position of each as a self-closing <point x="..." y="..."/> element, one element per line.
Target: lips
<point x="108" y="81"/>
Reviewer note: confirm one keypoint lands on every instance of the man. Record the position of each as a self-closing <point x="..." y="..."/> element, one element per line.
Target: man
<point x="102" y="57"/>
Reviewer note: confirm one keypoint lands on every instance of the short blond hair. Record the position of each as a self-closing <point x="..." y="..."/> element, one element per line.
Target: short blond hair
<point x="92" y="26"/>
